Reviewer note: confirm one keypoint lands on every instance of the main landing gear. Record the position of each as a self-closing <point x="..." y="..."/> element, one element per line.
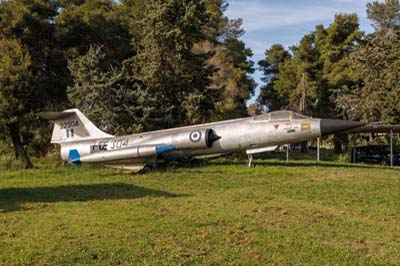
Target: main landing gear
<point x="251" y="164"/>
<point x="150" y="166"/>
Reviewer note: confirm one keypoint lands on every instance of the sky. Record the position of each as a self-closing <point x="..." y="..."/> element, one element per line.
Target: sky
<point x="267" y="22"/>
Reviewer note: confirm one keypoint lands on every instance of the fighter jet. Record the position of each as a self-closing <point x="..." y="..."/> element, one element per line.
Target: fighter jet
<point x="82" y="142"/>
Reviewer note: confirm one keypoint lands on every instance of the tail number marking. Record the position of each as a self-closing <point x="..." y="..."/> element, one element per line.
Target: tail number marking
<point x="106" y="145"/>
<point x="118" y="144"/>
<point x="68" y="124"/>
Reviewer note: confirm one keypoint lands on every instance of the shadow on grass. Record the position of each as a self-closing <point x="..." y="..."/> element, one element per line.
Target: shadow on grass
<point x="11" y="198"/>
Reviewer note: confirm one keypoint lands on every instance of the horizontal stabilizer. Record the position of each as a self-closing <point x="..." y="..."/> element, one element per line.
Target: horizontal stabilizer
<point x="55" y="115"/>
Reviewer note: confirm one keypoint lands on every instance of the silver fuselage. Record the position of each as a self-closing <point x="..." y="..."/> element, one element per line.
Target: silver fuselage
<point x="239" y="135"/>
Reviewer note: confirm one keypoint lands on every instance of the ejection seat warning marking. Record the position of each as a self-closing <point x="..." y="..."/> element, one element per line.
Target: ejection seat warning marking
<point x="68" y="124"/>
<point x="289" y="128"/>
<point x="107" y="145"/>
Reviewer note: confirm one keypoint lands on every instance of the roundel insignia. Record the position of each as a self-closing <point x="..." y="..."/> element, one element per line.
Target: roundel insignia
<point x="195" y="136"/>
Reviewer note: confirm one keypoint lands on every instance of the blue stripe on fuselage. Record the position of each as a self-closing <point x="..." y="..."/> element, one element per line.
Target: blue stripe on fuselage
<point x="163" y="149"/>
<point x="74" y="158"/>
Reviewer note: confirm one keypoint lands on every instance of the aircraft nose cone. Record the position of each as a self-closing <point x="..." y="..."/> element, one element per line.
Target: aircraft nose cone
<point x="332" y="126"/>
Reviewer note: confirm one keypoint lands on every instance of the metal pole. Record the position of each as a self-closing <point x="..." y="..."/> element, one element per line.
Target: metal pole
<point x="318" y="147"/>
<point x="287" y="152"/>
<point x="391" y="147"/>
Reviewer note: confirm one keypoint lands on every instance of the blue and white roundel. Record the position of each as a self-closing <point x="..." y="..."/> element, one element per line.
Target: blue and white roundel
<point x="195" y="136"/>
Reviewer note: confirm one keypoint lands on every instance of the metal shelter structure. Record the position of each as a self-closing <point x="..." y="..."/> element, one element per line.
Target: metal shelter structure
<point x="378" y="128"/>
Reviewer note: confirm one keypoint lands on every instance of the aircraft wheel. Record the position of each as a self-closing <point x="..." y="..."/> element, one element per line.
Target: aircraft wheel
<point x="252" y="165"/>
<point x="148" y="168"/>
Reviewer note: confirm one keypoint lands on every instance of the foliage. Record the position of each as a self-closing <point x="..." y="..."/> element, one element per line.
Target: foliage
<point x="376" y="65"/>
<point x="32" y="24"/>
<point x="82" y="24"/>
<point x="109" y="96"/>
<point x="384" y="15"/>
<point x="305" y="78"/>
<point x="17" y="96"/>
<point x="271" y="66"/>
<point x="310" y="77"/>
<point x="177" y="77"/>
<point x="234" y="69"/>
<point x="337" y="44"/>
<point x="29" y="25"/>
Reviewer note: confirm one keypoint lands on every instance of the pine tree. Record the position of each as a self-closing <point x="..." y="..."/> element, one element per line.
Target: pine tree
<point x="108" y="95"/>
<point x="271" y="66"/>
<point x="336" y="44"/>
<point x="32" y="24"/>
<point x="81" y="24"/>
<point x="299" y="76"/>
<point x="234" y="69"/>
<point x="376" y="96"/>
<point x="177" y="76"/>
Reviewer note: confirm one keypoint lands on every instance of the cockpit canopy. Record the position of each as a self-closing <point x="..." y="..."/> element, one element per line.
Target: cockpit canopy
<point x="281" y="115"/>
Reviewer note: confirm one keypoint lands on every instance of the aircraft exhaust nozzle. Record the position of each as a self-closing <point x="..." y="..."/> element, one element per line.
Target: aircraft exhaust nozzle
<point x="332" y="126"/>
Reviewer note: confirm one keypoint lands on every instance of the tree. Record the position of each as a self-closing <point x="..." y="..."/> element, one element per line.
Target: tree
<point x="385" y="16"/>
<point x="17" y="96"/>
<point x="305" y="79"/>
<point x="271" y="66"/>
<point x="32" y="24"/>
<point x="376" y="95"/>
<point x="309" y="77"/>
<point x="176" y="75"/>
<point x="233" y="75"/>
<point x="81" y="24"/>
<point x="108" y="95"/>
<point x="299" y="76"/>
<point x="231" y="59"/>
<point x="337" y="43"/>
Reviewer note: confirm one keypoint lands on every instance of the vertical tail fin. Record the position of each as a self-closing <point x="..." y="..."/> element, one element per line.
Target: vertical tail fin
<point x="72" y="125"/>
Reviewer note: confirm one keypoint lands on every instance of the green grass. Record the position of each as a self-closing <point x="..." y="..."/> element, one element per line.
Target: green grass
<point x="219" y="213"/>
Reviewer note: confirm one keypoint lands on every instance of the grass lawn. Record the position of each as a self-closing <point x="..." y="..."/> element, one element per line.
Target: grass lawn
<point x="220" y="213"/>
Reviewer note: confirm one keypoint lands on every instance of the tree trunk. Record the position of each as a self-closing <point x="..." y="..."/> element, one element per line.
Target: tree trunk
<point x="304" y="146"/>
<point x="18" y="147"/>
<point x="339" y="141"/>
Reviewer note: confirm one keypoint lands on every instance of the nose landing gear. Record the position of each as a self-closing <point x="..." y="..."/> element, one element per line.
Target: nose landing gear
<point x="250" y="163"/>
